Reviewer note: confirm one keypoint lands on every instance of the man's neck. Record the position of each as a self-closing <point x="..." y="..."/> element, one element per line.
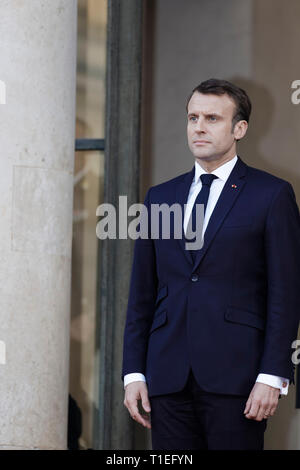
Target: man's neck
<point x="210" y="166"/>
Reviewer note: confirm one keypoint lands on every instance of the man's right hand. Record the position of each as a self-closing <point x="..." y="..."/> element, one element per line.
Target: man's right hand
<point x="135" y="391"/>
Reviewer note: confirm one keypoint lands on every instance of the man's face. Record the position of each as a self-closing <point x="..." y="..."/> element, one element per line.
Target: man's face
<point x="209" y="128"/>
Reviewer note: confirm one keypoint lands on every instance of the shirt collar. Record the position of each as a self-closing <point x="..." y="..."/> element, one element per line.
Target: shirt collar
<point x="221" y="172"/>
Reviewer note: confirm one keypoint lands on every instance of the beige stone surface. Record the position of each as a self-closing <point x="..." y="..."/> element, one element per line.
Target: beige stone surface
<point x="38" y="66"/>
<point x="41" y="210"/>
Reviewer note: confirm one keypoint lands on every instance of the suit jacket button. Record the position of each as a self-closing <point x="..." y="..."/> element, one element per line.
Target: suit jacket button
<point x="194" y="278"/>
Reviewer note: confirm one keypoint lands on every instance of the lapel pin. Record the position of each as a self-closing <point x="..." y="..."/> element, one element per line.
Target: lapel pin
<point x="234" y="186"/>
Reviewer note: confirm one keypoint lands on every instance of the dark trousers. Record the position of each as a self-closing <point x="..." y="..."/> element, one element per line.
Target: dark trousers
<point x="194" y="419"/>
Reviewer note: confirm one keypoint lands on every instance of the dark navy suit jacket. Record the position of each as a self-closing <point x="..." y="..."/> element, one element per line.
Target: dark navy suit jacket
<point x="232" y="314"/>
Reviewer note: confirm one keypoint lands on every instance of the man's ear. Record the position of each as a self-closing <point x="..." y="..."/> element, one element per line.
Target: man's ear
<point x="240" y="129"/>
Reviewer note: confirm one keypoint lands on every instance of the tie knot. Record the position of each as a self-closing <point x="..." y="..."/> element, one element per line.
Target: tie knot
<point x="207" y="178"/>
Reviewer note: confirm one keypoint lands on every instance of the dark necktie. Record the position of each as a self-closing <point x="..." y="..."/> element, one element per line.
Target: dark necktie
<point x="202" y="198"/>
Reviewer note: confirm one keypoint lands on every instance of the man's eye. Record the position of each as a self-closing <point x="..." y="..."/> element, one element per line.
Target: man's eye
<point x="212" y="118"/>
<point x="193" y="118"/>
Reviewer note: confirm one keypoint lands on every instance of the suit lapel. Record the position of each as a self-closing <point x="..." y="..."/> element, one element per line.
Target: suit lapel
<point x="228" y="196"/>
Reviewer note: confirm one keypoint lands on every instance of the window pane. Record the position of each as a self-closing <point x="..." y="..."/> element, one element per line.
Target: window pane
<point x="91" y="63"/>
<point x="88" y="194"/>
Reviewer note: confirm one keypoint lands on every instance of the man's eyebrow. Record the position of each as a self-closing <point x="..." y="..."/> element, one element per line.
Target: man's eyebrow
<point x="205" y="114"/>
<point x="213" y="114"/>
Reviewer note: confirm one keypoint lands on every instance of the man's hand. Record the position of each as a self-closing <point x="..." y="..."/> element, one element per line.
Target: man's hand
<point x="135" y="391"/>
<point x="262" y="402"/>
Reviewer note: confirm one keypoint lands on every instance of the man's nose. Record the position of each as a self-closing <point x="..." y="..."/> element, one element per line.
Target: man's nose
<point x="200" y="127"/>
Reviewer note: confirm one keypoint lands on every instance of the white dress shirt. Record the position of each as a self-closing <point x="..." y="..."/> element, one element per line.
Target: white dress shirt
<point x="222" y="172"/>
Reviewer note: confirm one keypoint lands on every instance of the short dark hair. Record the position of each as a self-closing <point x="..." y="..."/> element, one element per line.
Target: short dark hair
<point x="215" y="86"/>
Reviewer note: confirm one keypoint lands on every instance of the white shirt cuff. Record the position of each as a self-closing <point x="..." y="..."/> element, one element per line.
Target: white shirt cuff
<point x="134" y="377"/>
<point x="268" y="379"/>
<point x="274" y="381"/>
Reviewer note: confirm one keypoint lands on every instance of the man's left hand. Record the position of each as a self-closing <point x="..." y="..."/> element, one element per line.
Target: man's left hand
<point x="262" y="402"/>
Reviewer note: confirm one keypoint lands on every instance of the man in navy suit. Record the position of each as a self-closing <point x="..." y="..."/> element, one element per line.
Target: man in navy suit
<point x="209" y="332"/>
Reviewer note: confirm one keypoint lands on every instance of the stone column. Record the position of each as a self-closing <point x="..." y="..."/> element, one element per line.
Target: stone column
<point x="38" y="67"/>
